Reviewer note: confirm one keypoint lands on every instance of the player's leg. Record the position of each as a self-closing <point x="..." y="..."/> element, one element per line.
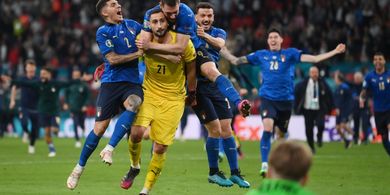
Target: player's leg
<point x="356" y="125"/>
<point x="34" y="132"/>
<point x="45" y="121"/>
<point x="309" y="125"/>
<point x="146" y="114"/>
<point x="230" y="148"/>
<point x="268" y="113"/>
<point x="320" y="122"/>
<point x="155" y="167"/>
<point x="162" y="132"/>
<point x="209" y="70"/>
<point x="365" y="125"/>
<point x="340" y="127"/>
<point x="76" y="123"/>
<point x="135" y="146"/>
<point x="208" y="116"/>
<point x="107" y="105"/>
<point x="24" y="118"/>
<point x="131" y="103"/>
<point x="382" y="122"/>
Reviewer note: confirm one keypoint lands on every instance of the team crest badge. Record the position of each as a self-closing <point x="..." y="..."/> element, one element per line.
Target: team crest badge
<point x="265" y="112"/>
<point x="283" y="57"/>
<point x="388" y="79"/>
<point x="98" y="111"/>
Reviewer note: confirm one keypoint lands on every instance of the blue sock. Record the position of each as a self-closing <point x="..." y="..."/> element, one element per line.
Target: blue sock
<point x="212" y="148"/>
<point x="121" y="127"/>
<point x="265" y="145"/>
<point x="89" y="146"/>
<point x="52" y="148"/>
<point x="221" y="148"/>
<point x="227" y="89"/>
<point x="230" y="148"/>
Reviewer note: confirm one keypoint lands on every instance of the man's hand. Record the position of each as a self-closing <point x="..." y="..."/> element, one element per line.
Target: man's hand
<point x="191" y="98"/>
<point x="200" y="32"/>
<point x="97" y="75"/>
<point x="340" y="48"/>
<point x="142" y="45"/>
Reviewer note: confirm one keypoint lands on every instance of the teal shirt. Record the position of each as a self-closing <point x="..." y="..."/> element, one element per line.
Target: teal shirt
<point x="76" y="96"/>
<point x="279" y="187"/>
<point x="48" y="102"/>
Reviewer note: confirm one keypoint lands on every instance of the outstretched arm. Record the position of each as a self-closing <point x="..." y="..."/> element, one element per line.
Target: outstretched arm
<point x="233" y="59"/>
<point x="318" y="58"/>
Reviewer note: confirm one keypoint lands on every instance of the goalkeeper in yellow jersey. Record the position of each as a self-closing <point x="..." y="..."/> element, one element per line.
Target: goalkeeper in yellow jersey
<point x="164" y="100"/>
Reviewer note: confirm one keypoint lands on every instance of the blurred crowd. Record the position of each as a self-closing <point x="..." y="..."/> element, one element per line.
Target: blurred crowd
<point x="61" y="33"/>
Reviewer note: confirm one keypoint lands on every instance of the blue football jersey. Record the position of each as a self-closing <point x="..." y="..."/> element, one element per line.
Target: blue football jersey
<point x="119" y="38"/>
<point x="276" y="68"/>
<point x="379" y="86"/>
<point x="343" y="98"/>
<point x="185" y="23"/>
<point x="217" y="33"/>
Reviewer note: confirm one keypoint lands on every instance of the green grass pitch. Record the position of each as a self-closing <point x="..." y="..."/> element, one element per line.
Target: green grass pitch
<point x="358" y="170"/>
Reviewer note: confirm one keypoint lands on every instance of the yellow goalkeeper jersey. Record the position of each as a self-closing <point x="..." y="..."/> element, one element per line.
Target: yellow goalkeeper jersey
<point x="164" y="79"/>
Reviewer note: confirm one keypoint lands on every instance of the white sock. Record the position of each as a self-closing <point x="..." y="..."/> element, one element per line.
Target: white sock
<point x="144" y="191"/>
<point x="109" y="148"/>
<point x="136" y="166"/>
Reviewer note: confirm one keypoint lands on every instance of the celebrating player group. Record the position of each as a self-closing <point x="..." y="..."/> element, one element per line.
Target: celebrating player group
<point x="181" y="50"/>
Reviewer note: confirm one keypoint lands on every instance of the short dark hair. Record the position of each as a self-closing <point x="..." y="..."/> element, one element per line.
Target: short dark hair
<point x="155" y="11"/>
<point x="204" y="5"/>
<point x="99" y="5"/>
<point x="170" y="2"/>
<point x="379" y="53"/>
<point x="48" y="69"/>
<point x="274" y="29"/>
<point x="31" y="62"/>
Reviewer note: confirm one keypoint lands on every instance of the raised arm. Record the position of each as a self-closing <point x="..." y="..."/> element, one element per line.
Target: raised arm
<point x="318" y="58"/>
<point x="225" y="53"/>
<point x="216" y="42"/>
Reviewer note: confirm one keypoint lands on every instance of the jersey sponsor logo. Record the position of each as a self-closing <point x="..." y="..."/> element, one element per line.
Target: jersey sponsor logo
<point x="53" y="89"/>
<point x="274" y="57"/>
<point x="121" y="32"/>
<point x="109" y="43"/>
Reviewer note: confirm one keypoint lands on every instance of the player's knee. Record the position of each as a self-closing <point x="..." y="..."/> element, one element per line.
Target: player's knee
<point x="160" y="149"/>
<point x="133" y="102"/>
<point x="136" y="135"/>
<point x="100" y="127"/>
<point x="210" y="71"/>
<point x="226" y="134"/>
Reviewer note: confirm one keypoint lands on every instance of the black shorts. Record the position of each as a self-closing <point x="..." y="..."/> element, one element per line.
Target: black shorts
<point x="47" y="120"/>
<point x="111" y="97"/>
<point x="202" y="56"/>
<point x="211" y="104"/>
<point x="280" y="111"/>
<point x="382" y="120"/>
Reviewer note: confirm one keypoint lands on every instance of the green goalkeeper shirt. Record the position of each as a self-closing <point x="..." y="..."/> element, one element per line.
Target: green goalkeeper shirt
<point x="279" y="187"/>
